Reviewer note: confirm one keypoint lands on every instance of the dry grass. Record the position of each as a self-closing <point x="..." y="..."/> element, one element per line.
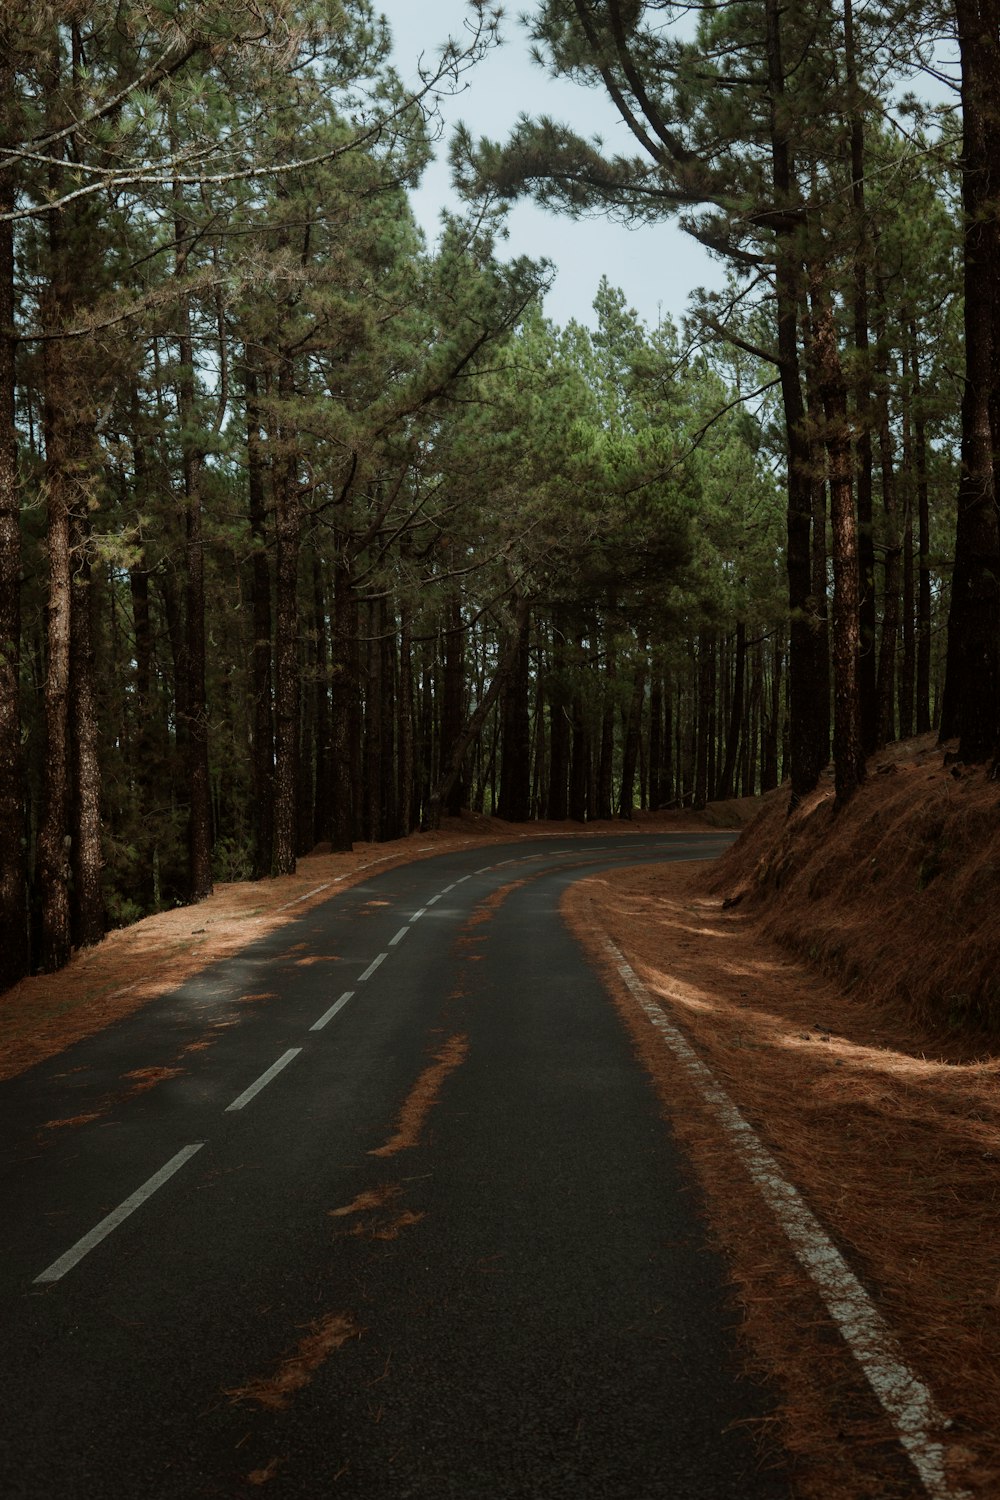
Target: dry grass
<point x="894" y="1147"/>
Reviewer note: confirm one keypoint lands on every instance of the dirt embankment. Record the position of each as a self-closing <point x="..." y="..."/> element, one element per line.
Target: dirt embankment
<point x="894" y="895"/>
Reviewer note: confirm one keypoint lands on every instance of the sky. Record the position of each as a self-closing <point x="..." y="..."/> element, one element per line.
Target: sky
<point x="656" y="266"/>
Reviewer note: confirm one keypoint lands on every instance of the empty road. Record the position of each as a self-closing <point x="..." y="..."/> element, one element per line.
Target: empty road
<point x="382" y="1207"/>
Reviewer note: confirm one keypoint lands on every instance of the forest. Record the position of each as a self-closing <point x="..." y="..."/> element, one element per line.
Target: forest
<point x="313" y="532"/>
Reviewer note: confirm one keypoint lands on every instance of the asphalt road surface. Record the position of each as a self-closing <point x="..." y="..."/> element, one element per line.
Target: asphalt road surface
<point x="382" y="1207"/>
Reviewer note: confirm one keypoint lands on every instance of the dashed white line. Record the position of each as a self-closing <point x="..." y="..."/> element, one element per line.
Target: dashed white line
<point x="484" y="870"/>
<point x="902" y="1395"/>
<point x="372" y="967"/>
<point x="262" y="1082"/>
<point x="328" y="1015"/>
<point x="118" y="1216"/>
<point x="400" y="935"/>
<point x="449" y="888"/>
<point x="463" y="879"/>
<point x="418" y="914"/>
<point x="434" y="899"/>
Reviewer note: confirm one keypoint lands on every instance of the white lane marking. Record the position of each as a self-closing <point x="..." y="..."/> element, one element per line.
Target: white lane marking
<point x="434" y="899"/>
<point x="449" y="888"/>
<point x="328" y="1015"/>
<point x="372" y="967"/>
<point x="484" y="869"/>
<point x="903" y="1396"/>
<point x="400" y="935"/>
<point x="418" y="914"/>
<point x="463" y="880"/>
<point x="264" y="1079"/>
<point x="118" y="1216"/>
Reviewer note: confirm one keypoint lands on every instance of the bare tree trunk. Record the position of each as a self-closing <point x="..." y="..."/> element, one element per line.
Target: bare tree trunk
<point x="288" y="535"/>
<point x="195" y="695"/>
<point x="87" y="860"/>
<point x="808" y="673"/>
<point x="405" y="714"/>
<point x="972" y="683"/>
<point x="262" y="768"/>
<point x="867" y="685"/>
<point x="14" y="955"/>
<point x="848" y="753"/>
<point x="344" y="693"/>
<point x="923" y="700"/>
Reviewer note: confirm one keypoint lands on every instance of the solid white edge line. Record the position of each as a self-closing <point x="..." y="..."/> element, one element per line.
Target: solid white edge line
<point x="263" y="1081"/>
<point x="117" y="1216"/>
<point x="372" y="967"/>
<point x="902" y="1395"/>
<point x="400" y="935"/>
<point x="328" y="1015"/>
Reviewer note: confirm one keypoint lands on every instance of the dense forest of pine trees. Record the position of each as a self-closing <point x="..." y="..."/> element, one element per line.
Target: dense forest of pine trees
<point x="313" y="532"/>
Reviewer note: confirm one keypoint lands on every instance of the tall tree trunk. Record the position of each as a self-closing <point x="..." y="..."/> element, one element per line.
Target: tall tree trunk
<point x="262" y="767"/>
<point x="703" y="700"/>
<point x="54" y="839"/>
<point x="923" y="701"/>
<point x="631" y="739"/>
<point x="405" y="716"/>
<point x="86" y="855"/>
<point x="344" y="690"/>
<point x="515" y="779"/>
<point x="848" y="753"/>
<point x="889" y="643"/>
<point x="808" y="675"/>
<point x="867" y="686"/>
<point x="559" y="723"/>
<point x="288" y="537"/>
<point x="972" y="682"/>
<point x="373" y="729"/>
<point x="726" y="780"/>
<point x="14" y="956"/>
<point x="452" y="694"/>
<point x="195" y="694"/>
<point x="321" y="711"/>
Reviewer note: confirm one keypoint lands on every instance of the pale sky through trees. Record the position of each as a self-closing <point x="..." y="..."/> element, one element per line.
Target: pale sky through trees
<point x="656" y="265"/>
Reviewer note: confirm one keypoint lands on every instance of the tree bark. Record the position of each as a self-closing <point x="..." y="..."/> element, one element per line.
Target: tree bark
<point x="972" y="680"/>
<point x="848" y="753"/>
<point x="807" y="673"/>
<point x="14" y="952"/>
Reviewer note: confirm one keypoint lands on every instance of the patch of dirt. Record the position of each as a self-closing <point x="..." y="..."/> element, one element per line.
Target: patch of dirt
<point x="893" y="1145"/>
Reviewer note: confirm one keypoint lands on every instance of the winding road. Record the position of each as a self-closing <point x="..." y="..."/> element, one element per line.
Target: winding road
<point x="382" y="1207"/>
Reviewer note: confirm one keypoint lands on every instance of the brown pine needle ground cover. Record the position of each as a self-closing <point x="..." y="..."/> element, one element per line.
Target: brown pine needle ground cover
<point x="888" y="1127"/>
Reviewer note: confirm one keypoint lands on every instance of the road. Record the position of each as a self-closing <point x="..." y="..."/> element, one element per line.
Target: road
<point x="382" y="1207"/>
